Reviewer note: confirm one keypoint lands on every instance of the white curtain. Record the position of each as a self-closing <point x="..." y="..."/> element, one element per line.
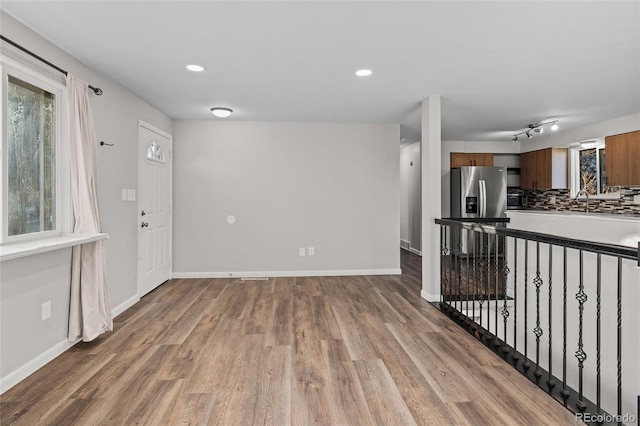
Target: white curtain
<point x="89" y="309"/>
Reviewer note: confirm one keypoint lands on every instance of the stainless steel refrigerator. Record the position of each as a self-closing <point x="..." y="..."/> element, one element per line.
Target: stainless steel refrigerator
<point x="477" y="192"/>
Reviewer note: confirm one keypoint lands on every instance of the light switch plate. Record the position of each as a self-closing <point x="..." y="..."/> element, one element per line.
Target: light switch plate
<point x="131" y="194"/>
<point x="46" y="310"/>
<point x="125" y="194"/>
<point x="301" y="251"/>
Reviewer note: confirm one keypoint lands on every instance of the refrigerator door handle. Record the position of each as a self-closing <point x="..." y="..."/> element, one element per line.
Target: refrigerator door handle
<point x="480" y="199"/>
<point x="483" y="199"/>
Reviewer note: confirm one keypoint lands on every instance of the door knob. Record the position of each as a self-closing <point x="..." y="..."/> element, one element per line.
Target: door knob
<point x="144" y="224"/>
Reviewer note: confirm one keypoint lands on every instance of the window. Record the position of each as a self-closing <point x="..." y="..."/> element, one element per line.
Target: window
<point x="589" y="169"/>
<point x="31" y="168"/>
<point x="32" y="146"/>
<point x="155" y="152"/>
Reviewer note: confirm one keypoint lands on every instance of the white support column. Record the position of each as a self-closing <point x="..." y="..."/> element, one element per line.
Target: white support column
<point x="430" y="149"/>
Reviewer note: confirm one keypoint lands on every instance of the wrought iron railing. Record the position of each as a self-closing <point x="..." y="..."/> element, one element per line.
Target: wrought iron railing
<point x="537" y="299"/>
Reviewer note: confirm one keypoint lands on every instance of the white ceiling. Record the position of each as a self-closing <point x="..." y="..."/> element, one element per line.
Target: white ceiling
<point x="497" y="65"/>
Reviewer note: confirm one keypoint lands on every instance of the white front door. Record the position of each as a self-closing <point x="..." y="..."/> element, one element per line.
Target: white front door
<point x="154" y="208"/>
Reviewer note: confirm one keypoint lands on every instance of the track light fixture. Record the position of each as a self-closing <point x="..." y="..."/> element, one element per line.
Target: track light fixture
<point x="536" y="128"/>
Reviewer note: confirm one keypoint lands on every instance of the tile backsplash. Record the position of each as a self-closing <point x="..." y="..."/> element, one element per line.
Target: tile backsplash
<point x="542" y="200"/>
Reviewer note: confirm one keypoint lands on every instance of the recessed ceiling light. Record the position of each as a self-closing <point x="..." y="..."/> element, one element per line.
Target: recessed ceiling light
<point x="221" y="112"/>
<point x="195" y="68"/>
<point x="554" y="126"/>
<point x="364" y="73"/>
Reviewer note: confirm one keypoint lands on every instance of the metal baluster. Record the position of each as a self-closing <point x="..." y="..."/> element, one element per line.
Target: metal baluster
<point x="441" y="263"/>
<point x="456" y="276"/>
<point x="537" y="330"/>
<point x="580" y="354"/>
<point x="468" y="279"/>
<point x="598" y="288"/>
<point x="473" y="288"/>
<point x="620" y="341"/>
<point x="446" y="267"/>
<point x="515" y="355"/>
<point x="526" y="363"/>
<point x="550" y="382"/>
<point x="565" y="391"/>
<point x="496" y="268"/>
<point x="481" y="284"/>
<point x="505" y="311"/>
<point x="487" y="287"/>
<point x="458" y="300"/>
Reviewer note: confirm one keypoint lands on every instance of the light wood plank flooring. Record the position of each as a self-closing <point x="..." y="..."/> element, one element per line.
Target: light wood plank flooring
<point x="286" y="351"/>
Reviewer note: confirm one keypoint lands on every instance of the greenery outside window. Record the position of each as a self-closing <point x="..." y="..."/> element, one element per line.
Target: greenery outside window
<point x="33" y="155"/>
<point x="31" y="168"/>
<point x="589" y="172"/>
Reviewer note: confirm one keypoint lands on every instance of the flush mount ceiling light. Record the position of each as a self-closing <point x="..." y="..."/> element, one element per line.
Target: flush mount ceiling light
<point x="221" y="112"/>
<point x="195" y="68"/>
<point x="364" y="73"/>
<point x="536" y="128"/>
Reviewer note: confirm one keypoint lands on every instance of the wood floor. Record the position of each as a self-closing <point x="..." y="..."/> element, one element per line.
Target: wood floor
<point x="284" y="351"/>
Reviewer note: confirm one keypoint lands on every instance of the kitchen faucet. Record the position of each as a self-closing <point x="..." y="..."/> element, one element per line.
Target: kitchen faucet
<point x="586" y="194"/>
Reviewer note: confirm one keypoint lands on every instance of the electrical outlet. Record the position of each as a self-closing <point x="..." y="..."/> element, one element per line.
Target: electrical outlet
<point x="46" y="310"/>
<point x="636" y="199"/>
<point x="311" y="251"/>
<point x="301" y="251"/>
<point x="552" y="199"/>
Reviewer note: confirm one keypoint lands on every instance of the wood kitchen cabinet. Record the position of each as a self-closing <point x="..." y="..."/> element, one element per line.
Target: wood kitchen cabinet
<point x="622" y="159"/>
<point x="544" y="169"/>
<point x="462" y="159"/>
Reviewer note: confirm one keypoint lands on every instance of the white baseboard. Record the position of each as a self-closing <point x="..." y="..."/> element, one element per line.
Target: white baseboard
<point x="124" y="306"/>
<point x="414" y="251"/>
<point x="252" y="274"/>
<point x="24" y="371"/>
<point x="429" y="297"/>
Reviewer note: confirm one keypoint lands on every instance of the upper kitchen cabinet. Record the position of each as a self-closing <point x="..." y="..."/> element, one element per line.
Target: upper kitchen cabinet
<point x="462" y="159"/>
<point x="622" y="158"/>
<point x="544" y="169"/>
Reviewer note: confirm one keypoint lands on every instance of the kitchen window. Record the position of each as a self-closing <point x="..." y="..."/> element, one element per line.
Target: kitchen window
<point x="35" y="191"/>
<point x="588" y="170"/>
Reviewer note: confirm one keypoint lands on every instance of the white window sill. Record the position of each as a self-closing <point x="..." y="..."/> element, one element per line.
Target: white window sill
<point x="29" y="248"/>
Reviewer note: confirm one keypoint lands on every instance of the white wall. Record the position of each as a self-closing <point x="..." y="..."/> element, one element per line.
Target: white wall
<point x="411" y="196"/>
<point x="27" y="283"/>
<point x="334" y="187"/>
